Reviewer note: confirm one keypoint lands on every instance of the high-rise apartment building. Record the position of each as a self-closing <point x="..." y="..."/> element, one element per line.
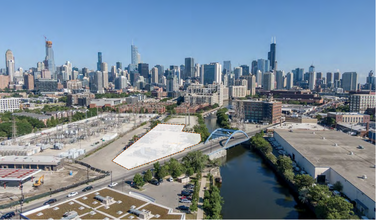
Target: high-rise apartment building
<point x="370" y="81"/>
<point x="251" y="83"/>
<point x="160" y="72"/>
<point x="10" y="64"/>
<point x="254" y="67"/>
<point x="245" y="70"/>
<point x="135" y="56"/>
<point x="268" y="81"/>
<point x="263" y="65"/>
<point x="197" y="70"/>
<point x="9" y="104"/>
<point x="29" y="81"/>
<point x="211" y="73"/>
<point x="259" y="77"/>
<point x="272" y="55"/>
<point x="96" y="83"/>
<point x="120" y="82"/>
<point x="349" y="81"/>
<point x="361" y="102"/>
<point x="154" y="75"/>
<point x="189" y="68"/>
<point x="289" y="80"/>
<point x="49" y="61"/>
<point x="279" y="78"/>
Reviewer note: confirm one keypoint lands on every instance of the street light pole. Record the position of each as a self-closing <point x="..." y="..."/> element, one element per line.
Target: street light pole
<point x="111" y="176"/>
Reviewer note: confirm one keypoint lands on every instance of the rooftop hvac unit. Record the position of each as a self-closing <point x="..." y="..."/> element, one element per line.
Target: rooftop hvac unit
<point x="323" y="138"/>
<point x="335" y="144"/>
<point x="364" y="177"/>
<point x="313" y="132"/>
<point x="351" y="153"/>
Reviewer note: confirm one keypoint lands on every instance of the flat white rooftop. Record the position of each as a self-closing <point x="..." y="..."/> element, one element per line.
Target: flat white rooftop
<point x="160" y="142"/>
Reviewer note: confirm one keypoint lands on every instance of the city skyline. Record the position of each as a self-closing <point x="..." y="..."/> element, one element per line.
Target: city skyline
<point x="331" y="47"/>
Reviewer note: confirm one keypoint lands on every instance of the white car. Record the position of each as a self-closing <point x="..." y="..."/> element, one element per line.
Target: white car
<point x="170" y="179"/>
<point x="72" y="194"/>
<point x="112" y="184"/>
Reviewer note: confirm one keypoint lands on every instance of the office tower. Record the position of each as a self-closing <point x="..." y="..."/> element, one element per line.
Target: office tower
<point x="238" y="72"/>
<point x="197" y="70"/>
<point x="172" y="83"/>
<point x="306" y="76"/>
<point x="160" y="72"/>
<point x="251" y="83"/>
<point x="311" y="78"/>
<point x="263" y="65"/>
<point x="135" y="56"/>
<point x="272" y="54"/>
<point x="254" y="67"/>
<point x="143" y="69"/>
<point x="49" y="61"/>
<point x="337" y="76"/>
<point x="289" y="80"/>
<point x="85" y="71"/>
<point x="245" y="70"/>
<point x="120" y="82"/>
<point x="68" y="69"/>
<point x="329" y="79"/>
<point x="99" y="63"/>
<point x="29" y="81"/>
<point x="268" y="81"/>
<point x="45" y="74"/>
<point x="349" y="81"/>
<point x="211" y="73"/>
<point x="154" y="75"/>
<point x="279" y="79"/>
<point x="259" y="78"/>
<point x="189" y="69"/>
<point x="10" y="64"/>
<point x="119" y="65"/>
<point x="370" y="81"/>
<point x="40" y="66"/>
<point x="298" y="75"/>
<point x="74" y="74"/>
<point x="227" y="66"/>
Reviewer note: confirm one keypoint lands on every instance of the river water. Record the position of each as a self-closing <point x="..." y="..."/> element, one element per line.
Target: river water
<point x="251" y="190"/>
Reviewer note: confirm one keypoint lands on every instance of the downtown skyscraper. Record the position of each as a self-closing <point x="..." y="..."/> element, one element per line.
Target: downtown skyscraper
<point x="99" y="63"/>
<point x="9" y="63"/>
<point x="49" y="61"/>
<point x="135" y="57"/>
<point x="272" y="54"/>
<point x="189" y="68"/>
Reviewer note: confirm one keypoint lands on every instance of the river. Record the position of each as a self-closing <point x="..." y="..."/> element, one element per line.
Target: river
<point x="251" y="190"/>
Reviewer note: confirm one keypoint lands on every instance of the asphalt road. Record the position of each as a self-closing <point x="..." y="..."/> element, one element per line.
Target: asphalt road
<point x="128" y="174"/>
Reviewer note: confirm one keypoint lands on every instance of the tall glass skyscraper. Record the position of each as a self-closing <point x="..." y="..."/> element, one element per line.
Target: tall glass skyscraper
<point x="189" y="70"/>
<point x="49" y="61"/>
<point x="263" y="65"/>
<point x="99" y="63"/>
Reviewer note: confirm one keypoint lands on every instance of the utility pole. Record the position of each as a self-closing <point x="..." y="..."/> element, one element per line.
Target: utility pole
<point x="14" y="130"/>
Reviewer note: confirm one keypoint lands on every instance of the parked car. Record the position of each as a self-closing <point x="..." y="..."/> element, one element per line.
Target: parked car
<point x="331" y="187"/>
<point x="8" y="215"/>
<point x="87" y="188"/>
<point x="171" y="179"/>
<point x="186" y="192"/>
<point x="72" y="194"/>
<point x="50" y="201"/>
<point x="185" y="201"/>
<point x="154" y="182"/>
<point x="336" y="193"/>
<point x="113" y="184"/>
<point x="183" y="207"/>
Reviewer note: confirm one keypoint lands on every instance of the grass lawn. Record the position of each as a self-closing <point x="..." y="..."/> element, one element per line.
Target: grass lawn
<point x="154" y="209"/>
<point x="58" y="214"/>
<point x="191" y="216"/>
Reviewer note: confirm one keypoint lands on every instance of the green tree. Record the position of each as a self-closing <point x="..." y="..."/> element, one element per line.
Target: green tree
<point x="284" y="163"/>
<point x="138" y="180"/>
<point x="190" y="171"/>
<point x="335" y="207"/>
<point x="175" y="168"/>
<point x="303" y="181"/>
<point x="338" y="186"/>
<point x="318" y="117"/>
<point x="157" y="167"/>
<point x="318" y="192"/>
<point x="289" y="174"/>
<point x="330" y="121"/>
<point x="163" y="172"/>
<point x="193" y="206"/>
<point x="148" y="176"/>
<point x="195" y="160"/>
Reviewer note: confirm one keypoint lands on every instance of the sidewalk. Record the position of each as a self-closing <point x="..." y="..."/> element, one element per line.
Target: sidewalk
<point x="200" y="210"/>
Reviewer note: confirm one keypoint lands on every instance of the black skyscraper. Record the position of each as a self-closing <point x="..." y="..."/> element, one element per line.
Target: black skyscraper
<point x="189" y="68"/>
<point x="119" y="65"/>
<point x="245" y="70"/>
<point x="143" y="69"/>
<point x="254" y="67"/>
<point x="272" y="54"/>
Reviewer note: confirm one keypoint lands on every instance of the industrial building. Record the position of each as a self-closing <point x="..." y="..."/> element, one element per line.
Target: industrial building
<point x="47" y="163"/>
<point x="13" y="177"/>
<point x="110" y="102"/>
<point x="331" y="156"/>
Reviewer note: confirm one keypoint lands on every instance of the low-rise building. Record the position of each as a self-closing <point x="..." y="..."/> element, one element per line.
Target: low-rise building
<point x="40" y="117"/>
<point x="48" y="163"/>
<point x="361" y="102"/>
<point x="46" y="85"/>
<point x="349" y="117"/>
<point x="110" y="102"/>
<point x="331" y="156"/>
<point x="200" y="94"/>
<point x="9" y="104"/>
<point x="295" y="95"/>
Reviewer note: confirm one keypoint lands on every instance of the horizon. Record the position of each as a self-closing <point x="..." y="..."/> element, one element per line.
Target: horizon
<point x="340" y="34"/>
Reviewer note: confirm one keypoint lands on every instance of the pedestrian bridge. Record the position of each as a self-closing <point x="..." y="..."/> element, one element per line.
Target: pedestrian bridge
<point x="222" y="133"/>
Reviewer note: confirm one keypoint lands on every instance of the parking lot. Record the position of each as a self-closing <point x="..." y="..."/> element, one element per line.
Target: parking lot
<point x="166" y="193"/>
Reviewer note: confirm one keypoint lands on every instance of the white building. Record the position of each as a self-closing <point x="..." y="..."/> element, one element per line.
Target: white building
<point x="360" y="102"/>
<point x="237" y="91"/>
<point x="332" y="156"/>
<point x="9" y="104"/>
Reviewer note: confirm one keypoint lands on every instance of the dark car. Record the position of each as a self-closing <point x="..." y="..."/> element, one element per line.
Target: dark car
<point x="50" y="201"/>
<point x="183" y="207"/>
<point x="154" y="182"/>
<point x="8" y="215"/>
<point x="87" y="188"/>
<point x="186" y="192"/>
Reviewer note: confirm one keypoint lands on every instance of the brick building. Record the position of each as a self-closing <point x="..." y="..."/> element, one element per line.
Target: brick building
<point x="349" y="117"/>
<point x="259" y="111"/>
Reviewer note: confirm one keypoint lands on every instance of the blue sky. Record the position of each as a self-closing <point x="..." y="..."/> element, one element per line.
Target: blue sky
<point x="331" y="34"/>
